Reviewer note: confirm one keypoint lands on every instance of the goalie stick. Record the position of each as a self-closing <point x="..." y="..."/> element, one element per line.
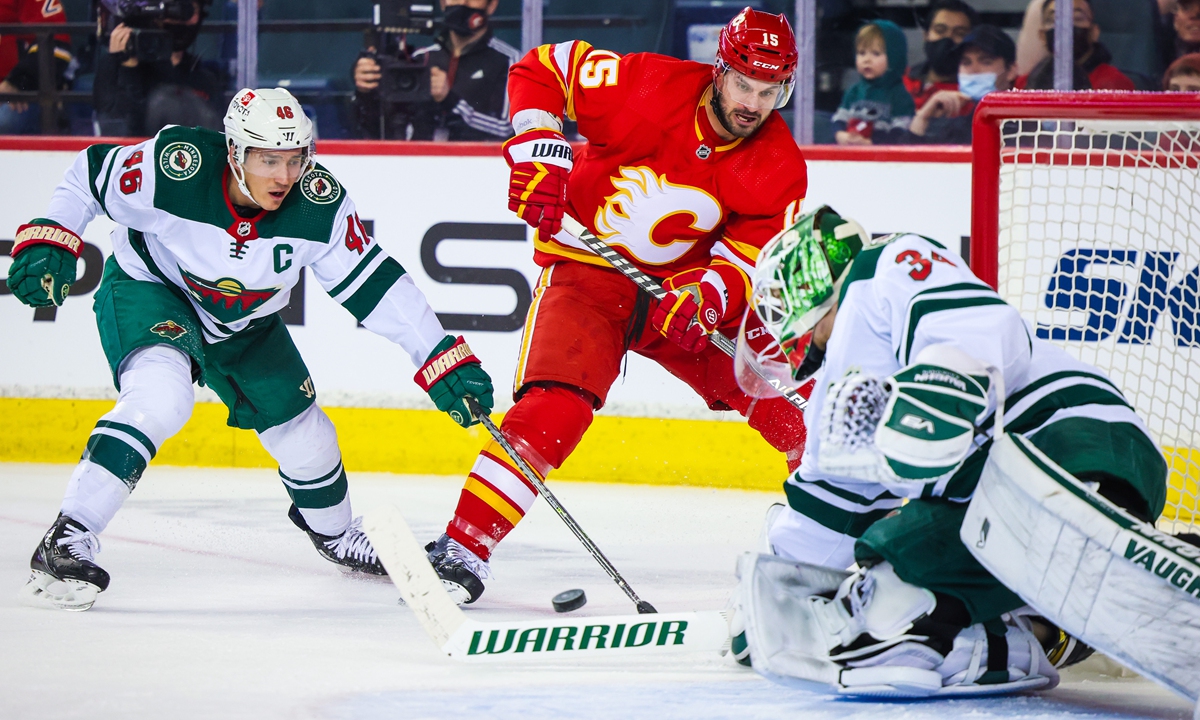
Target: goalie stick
<point x="550" y="639"/>
<point x="646" y="283"/>
<point x="642" y="606"/>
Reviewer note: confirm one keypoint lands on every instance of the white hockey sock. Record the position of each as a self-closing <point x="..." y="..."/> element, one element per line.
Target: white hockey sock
<point x="155" y="401"/>
<point x="805" y="540"/>
<point x="93" y="496"/>
<point x="310" y="466"/>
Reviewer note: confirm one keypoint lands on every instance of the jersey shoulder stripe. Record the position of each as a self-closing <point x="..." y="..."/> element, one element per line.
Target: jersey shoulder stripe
<point x="950" y="297"/>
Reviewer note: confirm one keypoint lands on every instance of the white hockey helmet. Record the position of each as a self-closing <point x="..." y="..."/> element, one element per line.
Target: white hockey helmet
<point x="268" y="119"/>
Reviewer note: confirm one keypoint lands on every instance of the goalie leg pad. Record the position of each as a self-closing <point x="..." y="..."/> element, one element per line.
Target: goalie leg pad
<point x="1114" y="582"/>
<point x="872" y="634"/>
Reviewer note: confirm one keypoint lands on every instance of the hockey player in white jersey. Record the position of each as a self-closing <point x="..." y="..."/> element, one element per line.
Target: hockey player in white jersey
<point x="213" y="231"/>
<point x="915" y="354"/>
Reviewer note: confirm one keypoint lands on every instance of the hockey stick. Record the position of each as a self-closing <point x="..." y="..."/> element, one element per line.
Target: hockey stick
<point x="531" y="476"/>
<point x="464" y="639"/>
<point x="645" y="282"/>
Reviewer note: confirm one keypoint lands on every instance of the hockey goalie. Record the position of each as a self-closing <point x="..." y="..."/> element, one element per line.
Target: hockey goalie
<point x="997" y="495"/>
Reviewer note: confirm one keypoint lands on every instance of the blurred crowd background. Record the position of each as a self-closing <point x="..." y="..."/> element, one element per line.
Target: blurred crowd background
<point x="886" y="71"/>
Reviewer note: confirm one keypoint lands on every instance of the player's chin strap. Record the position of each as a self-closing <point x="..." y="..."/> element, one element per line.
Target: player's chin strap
<point x="647" y="284"/>
<point x="239" y="175"/>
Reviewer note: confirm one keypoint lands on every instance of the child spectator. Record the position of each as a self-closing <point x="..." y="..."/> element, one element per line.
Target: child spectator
<point x="1183" y="75"/>
<point x="877" y="109"/>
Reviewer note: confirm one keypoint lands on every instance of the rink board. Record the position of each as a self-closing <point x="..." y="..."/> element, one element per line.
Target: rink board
<point x="440" y="209"/>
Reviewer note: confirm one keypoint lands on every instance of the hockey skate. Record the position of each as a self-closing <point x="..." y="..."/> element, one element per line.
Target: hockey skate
<point x="64" y="575"/>
<point x="352" y="549"/>
<point x="462" y="571"/>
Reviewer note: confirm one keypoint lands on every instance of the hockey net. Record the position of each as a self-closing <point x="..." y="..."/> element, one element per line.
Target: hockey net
<point x="1086" y="217"/>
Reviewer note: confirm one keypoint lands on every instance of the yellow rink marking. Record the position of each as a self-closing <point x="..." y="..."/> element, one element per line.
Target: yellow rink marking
<point x="649" y="451"/>
<point x="421" y="442"/>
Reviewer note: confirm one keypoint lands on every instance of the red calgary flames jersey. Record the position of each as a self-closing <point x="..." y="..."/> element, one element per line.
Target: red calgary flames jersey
<point x="654" y="180"/>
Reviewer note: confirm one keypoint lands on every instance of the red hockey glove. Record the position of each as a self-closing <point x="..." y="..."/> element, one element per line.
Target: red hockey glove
<point x="693" y="308"/>
<point x="541" y="162"/>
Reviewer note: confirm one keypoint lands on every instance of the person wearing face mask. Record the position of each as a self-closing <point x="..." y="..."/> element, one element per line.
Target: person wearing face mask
<point x="468" y="72"/>
<point x="1091" y="56"/>
<point x="987" y="63"/>
<point x="138" y="97"/>
<point x="949" y="22"/>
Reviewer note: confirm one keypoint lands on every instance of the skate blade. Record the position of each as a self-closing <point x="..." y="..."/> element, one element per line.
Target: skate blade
<point x="47" y="591"/>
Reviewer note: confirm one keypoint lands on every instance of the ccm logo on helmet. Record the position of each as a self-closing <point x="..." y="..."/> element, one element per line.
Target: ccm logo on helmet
<point x="766" y="66"/>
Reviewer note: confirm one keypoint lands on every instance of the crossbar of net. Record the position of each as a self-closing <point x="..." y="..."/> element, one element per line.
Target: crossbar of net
<point x="1099" y="248"/>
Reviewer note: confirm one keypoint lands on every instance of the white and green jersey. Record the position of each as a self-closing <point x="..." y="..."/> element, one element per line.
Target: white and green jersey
<point x="177" y="225"/>
<point x="909" y="294"/>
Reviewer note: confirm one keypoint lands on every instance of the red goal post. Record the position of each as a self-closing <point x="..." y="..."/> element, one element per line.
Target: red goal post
<point x="1086" y="217"/>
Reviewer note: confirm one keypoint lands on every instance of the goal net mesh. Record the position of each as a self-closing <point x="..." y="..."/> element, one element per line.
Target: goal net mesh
<point x="1099" y="248"/>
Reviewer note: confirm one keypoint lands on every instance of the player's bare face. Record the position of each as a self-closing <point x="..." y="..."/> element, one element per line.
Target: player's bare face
<point x="270" y="174"/>
<point x="745" y="103"/>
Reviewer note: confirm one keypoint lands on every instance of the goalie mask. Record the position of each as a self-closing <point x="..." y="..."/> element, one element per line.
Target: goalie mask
<point x="267" y="119"/>
<point x="796" y="282"/>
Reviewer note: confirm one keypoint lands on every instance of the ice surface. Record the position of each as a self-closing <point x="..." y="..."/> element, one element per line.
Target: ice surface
<point x="220" y="608"/>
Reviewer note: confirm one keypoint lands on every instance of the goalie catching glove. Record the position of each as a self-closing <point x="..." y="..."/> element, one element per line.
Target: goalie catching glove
<point x="908" y="430"/>
<point x="540" y="161"/>
<point x="450" y="375"/>
<point x="44" y="257"/>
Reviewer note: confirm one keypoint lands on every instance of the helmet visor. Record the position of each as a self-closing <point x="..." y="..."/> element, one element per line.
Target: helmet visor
<point x="283" y="166"/>
<point x="756" y="95"/>
<point x="761" y="366"/>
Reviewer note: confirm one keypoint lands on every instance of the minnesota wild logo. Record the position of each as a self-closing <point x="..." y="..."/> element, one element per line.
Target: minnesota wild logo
<point x="169" y="329"/>
<point x="226" y="299"/>
<point x="179" y="160"/>
<point x="320" y="187"/>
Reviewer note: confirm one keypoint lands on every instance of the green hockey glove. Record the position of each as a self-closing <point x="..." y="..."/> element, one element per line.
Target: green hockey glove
<point x="43" y="268"/>
<point x="452" y="373"/>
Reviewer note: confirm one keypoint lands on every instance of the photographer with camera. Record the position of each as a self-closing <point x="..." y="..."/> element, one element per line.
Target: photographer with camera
<point x="19" y="62"/>
<point x="454" y="89"/>
<point x="146" y="77"/>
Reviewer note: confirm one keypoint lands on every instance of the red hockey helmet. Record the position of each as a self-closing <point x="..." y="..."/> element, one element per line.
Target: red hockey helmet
<point x="762" y="46"/>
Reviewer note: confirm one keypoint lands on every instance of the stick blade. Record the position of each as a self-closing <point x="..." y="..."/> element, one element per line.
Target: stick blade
<point x="410" y="571"/>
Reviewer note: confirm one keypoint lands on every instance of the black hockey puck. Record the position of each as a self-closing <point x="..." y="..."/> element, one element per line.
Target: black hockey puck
<point x="569" y="600"/>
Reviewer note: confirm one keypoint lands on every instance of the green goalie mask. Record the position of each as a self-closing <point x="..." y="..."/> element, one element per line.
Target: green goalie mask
<point x="796" y="282"/>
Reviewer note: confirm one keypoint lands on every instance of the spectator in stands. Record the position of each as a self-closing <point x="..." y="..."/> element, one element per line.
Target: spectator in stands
<point x="19" y="62"/>
<point x="988" y="63"/>
<point x="876" y="109"/>
<point x="1091" y="57"/>
<point x="1183" y="75"/>
<point x="138" y="97"/>
<point x="468" y="83"/>
<point x="948" y="22"/>
<point x="1184" y="29"/>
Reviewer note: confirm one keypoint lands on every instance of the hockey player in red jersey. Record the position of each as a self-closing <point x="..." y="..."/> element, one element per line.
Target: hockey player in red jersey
<point x="688" y="171"/>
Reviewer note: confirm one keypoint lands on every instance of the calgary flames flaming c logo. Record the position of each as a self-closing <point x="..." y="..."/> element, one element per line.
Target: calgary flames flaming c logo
<point x="644" y="201"/>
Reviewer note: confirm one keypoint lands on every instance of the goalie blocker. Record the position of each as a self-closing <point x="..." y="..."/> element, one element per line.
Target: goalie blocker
<point x="1103" y="576"/>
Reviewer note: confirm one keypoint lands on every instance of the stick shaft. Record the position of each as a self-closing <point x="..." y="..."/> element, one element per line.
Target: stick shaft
<point x="552" y="500"/>
<point x="647" y="283"/>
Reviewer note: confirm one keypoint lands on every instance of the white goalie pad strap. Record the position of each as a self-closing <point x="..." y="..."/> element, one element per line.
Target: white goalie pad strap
<point x="1103" y="576"/>
<point x="787" y="641"/>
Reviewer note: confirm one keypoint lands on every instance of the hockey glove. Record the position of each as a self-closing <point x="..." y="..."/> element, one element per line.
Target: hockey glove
<point x="452" y="373"/>
<point x="693" y="308"/>
<point x="540" y="162"/>
<point x="43" y="267"/>
<point x="904" y="431"/>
